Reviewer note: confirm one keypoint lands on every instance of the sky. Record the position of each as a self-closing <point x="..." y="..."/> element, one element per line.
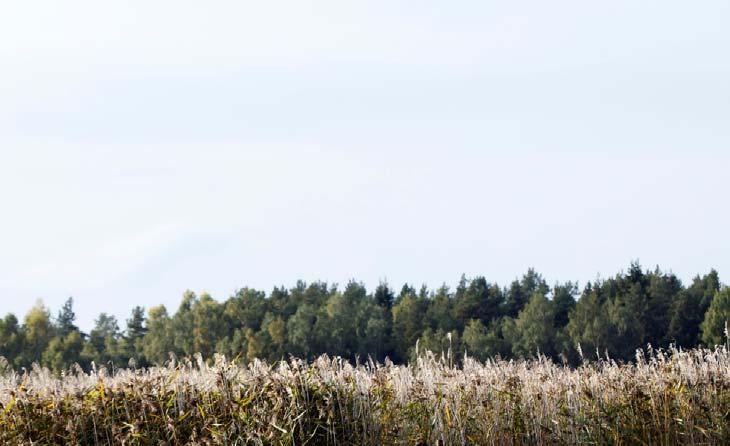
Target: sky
<point x="147" y="148"/>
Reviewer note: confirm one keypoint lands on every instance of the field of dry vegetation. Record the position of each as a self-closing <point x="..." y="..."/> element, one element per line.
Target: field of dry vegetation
<point x="666" y="397"/>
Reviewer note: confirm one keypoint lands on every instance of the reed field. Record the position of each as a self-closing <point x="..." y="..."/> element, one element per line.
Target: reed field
<point x="664" y="397"/>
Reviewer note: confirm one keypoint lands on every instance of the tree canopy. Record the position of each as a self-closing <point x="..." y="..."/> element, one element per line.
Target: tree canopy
<point x="613" y="317"/>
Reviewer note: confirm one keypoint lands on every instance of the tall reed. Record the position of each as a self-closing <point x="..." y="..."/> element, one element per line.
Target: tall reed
<point x="665" y="397"/>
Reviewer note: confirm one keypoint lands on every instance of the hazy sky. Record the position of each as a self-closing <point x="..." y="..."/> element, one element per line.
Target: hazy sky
<point x="151" y="147"/>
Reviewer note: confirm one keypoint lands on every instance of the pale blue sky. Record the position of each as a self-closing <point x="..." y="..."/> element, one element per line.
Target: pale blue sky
<point x="151" y="147"/>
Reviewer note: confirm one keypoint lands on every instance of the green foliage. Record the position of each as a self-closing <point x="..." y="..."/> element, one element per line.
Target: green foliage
<point x="534" y="330"/>
<point x="661" y="291"/>
<point x="158" y="341"/>
<point x="62" y="351"/>
<point x="717" y="319"/>
<point x="301" y="331"/>
<point x="483" y="343"/>
<point x="564" y="303"/>
<point x="589" y="326"/>
<point x="12" y="340"/>
<point x="133" y="338"/>
<point x="103" y="346"/>
<point x="611" y="317"/>
<point x="408" y="322"/>
<point x="520" y="292"/>
<point x="626" y="325"/>
<point x="479" y="299"/>
<point x="689" y="308"/>
<point x="66" y="318"/>
<point x="38" y="332"/>
<point x="384" y="295"/>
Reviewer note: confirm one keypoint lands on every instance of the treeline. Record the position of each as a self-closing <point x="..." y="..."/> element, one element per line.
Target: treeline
<point x="614" y="316"/>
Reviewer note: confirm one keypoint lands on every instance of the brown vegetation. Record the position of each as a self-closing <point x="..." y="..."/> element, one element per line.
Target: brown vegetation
<point x="666" y="397"/>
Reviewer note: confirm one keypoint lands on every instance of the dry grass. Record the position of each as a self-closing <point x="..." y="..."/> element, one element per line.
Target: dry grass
<point x="665" y="398"/>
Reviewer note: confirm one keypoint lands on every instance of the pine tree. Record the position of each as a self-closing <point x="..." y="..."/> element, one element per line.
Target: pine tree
<point x="66" y="318"/>
<point x="689" y="308"/>
<point x="383" y="295"/>
<point x="564" y="302"/>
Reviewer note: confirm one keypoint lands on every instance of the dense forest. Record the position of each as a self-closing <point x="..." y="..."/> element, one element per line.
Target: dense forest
<point x="610" y="317"/>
